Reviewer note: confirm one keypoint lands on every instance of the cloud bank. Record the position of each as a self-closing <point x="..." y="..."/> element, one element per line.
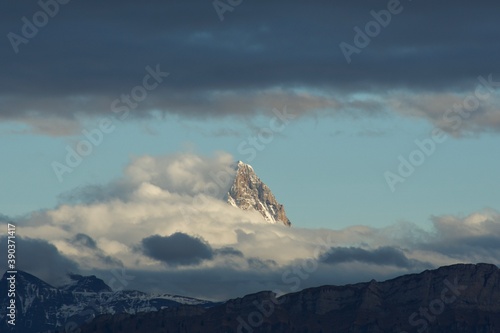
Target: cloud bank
<point x="428" y="58"/>
<point x="164" y="225"/>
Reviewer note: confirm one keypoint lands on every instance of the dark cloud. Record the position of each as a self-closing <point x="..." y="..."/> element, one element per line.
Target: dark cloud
<point x="92" y="52"/>
<point x="484" y="246"/>
<point x="40" y="258"/>
<point x="85" y="243"/>
<point x="260" y="264"/>
<point x="228" y="251"/>
<point x="84" y="240"/>
<point x="382" y="256"/>
<point x="224" y="282"/>
<point x="177" y="249"/>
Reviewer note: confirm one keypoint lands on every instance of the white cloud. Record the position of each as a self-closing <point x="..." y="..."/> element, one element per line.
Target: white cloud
<point x="166" y="195"/>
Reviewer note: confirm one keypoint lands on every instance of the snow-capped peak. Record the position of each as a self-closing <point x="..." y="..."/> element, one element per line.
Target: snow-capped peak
<point x="249" y="192"/>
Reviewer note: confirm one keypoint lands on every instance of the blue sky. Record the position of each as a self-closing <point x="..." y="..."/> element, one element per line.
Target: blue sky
<point x="328" y="172"/>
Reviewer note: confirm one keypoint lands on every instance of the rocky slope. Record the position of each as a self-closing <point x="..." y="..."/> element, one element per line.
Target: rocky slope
<point x="249" y="192"/>
<point x="454" y="299"/>
<point x="42" y="307"/>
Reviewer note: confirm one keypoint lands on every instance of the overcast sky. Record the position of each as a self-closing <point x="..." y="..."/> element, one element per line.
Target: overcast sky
<point x="361" y="117"/>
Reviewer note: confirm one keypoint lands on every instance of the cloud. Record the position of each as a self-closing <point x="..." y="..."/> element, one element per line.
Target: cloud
<point x="474" y="238"/>
<point x="382" y="256"/>
<point x="228" y="251"/>
<point x="86" y="249"/>
<point x="183" y="174"/>
<point x="259" y="265"/>
<point x="40" y="258"/>
<point x="84" y="240"/>
<point x="167" y="209"/>
<point x="248" y="64"/>
<point x="177" y="249"/>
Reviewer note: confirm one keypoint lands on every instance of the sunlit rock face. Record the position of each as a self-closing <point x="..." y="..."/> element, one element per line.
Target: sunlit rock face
<point x="249" y="192"/>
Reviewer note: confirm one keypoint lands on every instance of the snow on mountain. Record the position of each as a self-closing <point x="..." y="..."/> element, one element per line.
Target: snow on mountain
<point x="249" y="192"/>
<point x="42" y="307"/>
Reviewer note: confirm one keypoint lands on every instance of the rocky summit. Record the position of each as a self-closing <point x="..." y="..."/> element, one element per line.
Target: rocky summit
<point x="249" y="192"/>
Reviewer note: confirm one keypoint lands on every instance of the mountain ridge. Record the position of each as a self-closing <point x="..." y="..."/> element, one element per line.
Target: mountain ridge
<point x="43" y="307"/>
<point x="460" y="298"/>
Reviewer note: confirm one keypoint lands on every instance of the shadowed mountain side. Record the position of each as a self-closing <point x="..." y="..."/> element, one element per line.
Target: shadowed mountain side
<point x="458" y="298"/>
<point x="41" y="307"/>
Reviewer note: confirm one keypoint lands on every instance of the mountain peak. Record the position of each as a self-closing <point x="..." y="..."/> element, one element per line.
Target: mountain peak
<point x="249" y="192"/>
<point x="243" y="165"/>
<point x="90" y="283"/>
<point x="26" y="278"/>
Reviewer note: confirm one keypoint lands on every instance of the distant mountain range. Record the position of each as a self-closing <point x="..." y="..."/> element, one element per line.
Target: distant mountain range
<point x="42" y="307"/>
<point x="462" y="298"/>
<point x="248" y="192"/>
